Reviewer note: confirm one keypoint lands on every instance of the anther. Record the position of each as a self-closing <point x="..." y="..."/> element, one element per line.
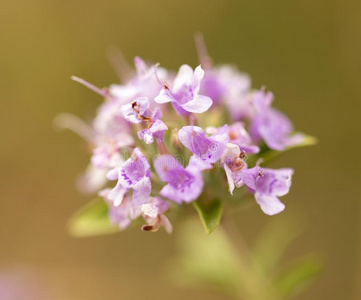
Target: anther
<point x="165" y="85"/>
<point x="242" y="154"/>
<point x="154" y="227"/>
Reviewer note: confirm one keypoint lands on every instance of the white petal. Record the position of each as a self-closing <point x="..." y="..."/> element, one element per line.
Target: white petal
<point x="270" y="205"/>
<point x="163" y="97"/>
<point x="229" y="178"/>
<point x="198" y="105"/>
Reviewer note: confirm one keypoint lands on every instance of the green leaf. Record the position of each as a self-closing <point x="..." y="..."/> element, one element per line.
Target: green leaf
<point x="210" y="213"/>
<point x="269" y="154"/>
<point x="299" y="276"/>
<point x="91" y="220"/>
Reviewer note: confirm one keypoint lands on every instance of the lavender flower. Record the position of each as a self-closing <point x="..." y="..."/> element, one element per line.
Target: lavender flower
<point x="154" y="130"/>
<point x="271" y="125"/>
<point x="207" y="149"/>
<point x="233" y="164"/>
<point x="144" y="83"/>
<point x="226" y="84"/>
<point x="184" y="184"/>
<point x="121" y="215"/>
<point x="133" y="174"/>
<point x="134" y="112"/>
<point x="239" y="136"/>
<point x="184" y="92"/>
<point x="267" y="185"/>
<point x="153" y="213"/>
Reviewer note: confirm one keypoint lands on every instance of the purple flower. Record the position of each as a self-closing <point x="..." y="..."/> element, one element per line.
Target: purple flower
<point x="133" y="174"/>
<point x="184" y="184"/>
<point x="155" y="130"/>
<point x="271" y="125"/>
<point x="134" y="112"/>
<point x="226" y="83"/>
<point x="184" y="92"/>
<point x="145" y="83"/>
<point x="121" y="215"/>
<point x="153" y="213"/>
<point x="239" y="136"/>
<point x="137" y="112"/>
<point x="268" y="185"/>
<point x="207" y="149"/>
<point x="233" y="164"/>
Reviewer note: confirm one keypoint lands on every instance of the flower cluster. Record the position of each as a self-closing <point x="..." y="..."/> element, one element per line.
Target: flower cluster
<point x="160" y="135"/>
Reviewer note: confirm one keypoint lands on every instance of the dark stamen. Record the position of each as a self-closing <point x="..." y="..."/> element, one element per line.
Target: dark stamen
<point x="242" y="154"/>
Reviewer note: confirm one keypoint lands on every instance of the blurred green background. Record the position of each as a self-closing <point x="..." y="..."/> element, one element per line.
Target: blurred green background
<point x="306" y="52"/>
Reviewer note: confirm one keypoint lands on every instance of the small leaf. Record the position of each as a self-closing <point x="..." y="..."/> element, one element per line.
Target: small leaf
<point x="210" y="213"/>
<point x="91" y="220"/>
<point x="299" y="276"/>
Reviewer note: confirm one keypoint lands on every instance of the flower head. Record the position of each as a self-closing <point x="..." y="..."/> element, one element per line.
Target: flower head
<point x="224" y="142"/>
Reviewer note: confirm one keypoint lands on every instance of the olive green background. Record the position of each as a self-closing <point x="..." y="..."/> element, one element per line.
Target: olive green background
<point x="306" y="52"/>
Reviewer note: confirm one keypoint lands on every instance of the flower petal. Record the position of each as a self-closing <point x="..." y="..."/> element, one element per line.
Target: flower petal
<point x="184" y="77"/>
<point x="117" y="194"/>
<point x="141" y="191"/>
<point x="163" y="97"/>
<point x="165" y="163"/>
<point x="229" y="178"/>
<point x="166" y="223"/>
<point x="199" y="104"/>
<point x="270" y="205"/>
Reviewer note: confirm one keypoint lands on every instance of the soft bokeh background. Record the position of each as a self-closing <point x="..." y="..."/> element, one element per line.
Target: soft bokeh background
<point x="307" y="52"/>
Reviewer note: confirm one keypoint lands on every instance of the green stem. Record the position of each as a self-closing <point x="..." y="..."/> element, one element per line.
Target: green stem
<point x="254" y="283"/>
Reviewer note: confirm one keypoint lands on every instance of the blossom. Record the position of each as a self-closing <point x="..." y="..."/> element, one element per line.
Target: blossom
<point x="239" y="136"/>
<point x="183" y="184"/>
<point x="153" y="212"/>
<point x="207" y="149"/>
<point x="134" y="112"/>
<point x="184" y="93"/>
<point x="271" y="125"/>
<point x="155" y="129"/>
<point x="121" y="215"/>
<point x="226" y="84"/>
<point x="233" y="164"/>
<point x="133" y="174"/>
<point x="267" y="185"/>
<point x="144" y="83"/>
